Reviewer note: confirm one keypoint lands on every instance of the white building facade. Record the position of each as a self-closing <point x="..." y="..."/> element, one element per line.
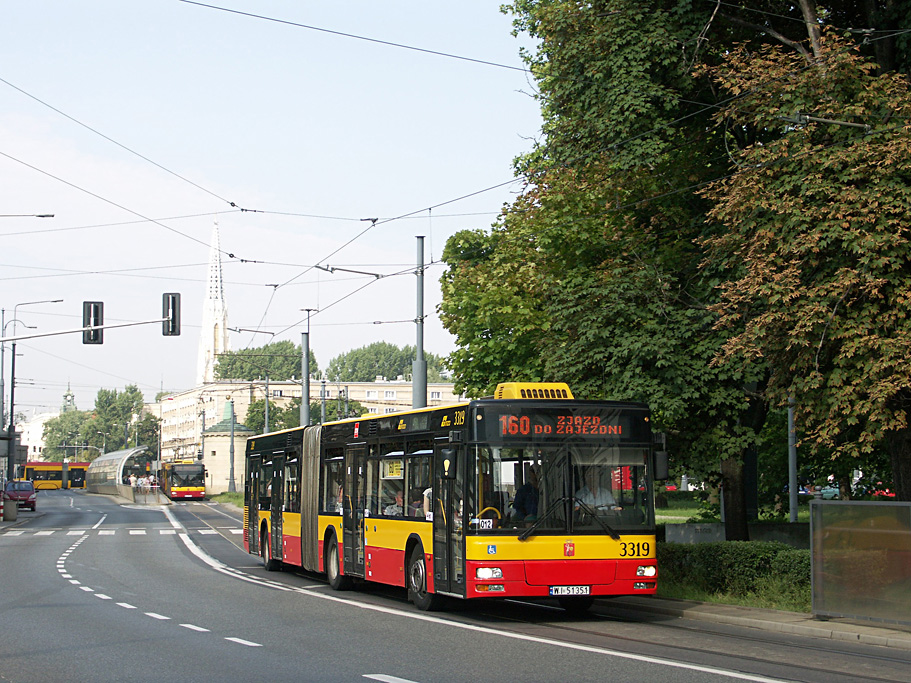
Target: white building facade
<point x="188" y="416"/>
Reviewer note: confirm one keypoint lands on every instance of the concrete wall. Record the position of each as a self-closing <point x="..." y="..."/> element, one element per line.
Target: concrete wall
<point x="796" y="535"/>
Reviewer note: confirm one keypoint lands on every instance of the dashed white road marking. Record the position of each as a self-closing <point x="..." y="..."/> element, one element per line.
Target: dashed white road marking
<point x="241" y="641"/>
<point x="155" y="615"/>
<point x="196" y="628"/>
<point x="126" y="605"/>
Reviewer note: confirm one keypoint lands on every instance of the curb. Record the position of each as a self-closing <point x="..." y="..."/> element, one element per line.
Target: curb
<point x="791" y="623"/>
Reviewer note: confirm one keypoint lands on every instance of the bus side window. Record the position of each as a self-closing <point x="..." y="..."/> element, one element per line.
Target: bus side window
<point x="372" y="504"/>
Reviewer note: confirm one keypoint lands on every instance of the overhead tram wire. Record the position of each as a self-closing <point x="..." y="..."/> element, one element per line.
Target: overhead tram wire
<point x="113" y="203"/>
<point x="348" y="295"/>
<point x="117" y="224"/>
<point x="124" y="147"/>
<point x="354" y="36"/>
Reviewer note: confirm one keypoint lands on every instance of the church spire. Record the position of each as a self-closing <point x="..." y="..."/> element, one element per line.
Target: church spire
<point x="213" y="338"/>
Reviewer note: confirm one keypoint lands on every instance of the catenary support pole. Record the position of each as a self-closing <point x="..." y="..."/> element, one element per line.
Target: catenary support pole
<point x="419" y="366"/>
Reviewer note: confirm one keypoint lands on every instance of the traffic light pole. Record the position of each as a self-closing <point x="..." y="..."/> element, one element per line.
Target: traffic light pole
<point x="80" y="330"/>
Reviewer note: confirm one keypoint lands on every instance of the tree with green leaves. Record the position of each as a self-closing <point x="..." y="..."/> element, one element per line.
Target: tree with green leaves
<point x="597" y="273"/>
<point x="288" y="417"/>
<point x="818" y="234"/>
<point x="112" y="424"/>
<point x="278" y="361"/>
<point x="380" y="359"/>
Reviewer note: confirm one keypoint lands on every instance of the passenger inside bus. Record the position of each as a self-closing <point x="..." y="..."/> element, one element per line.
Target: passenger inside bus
<point x="416" y="507"/>
<point x="394" y="509"/>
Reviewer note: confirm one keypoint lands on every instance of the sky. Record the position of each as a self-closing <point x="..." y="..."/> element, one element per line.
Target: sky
<point x="141" y="125"/>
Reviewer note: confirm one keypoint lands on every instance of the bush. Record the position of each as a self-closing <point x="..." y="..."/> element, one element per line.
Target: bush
<point x="732" y="567"/>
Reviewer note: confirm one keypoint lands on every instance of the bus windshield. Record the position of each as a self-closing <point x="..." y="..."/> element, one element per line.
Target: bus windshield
<point x="187" y="475"/>
<point x="560" y="488"/>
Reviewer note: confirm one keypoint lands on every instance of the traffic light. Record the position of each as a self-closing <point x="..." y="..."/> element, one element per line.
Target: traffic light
<point x="92" y="316"/>
<point x="170" y="309"/>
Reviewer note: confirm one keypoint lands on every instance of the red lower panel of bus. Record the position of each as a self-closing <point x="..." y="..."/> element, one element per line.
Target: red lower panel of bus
<point x="536" y="578"/>
<point x="386" y="565"/>
<point x="291" y="549"/>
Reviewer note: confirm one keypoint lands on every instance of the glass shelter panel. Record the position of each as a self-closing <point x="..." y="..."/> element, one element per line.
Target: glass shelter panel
<point x="861" y="560"/>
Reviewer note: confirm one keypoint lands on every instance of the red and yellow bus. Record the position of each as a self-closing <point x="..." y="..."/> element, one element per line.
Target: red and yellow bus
<point x="50" y="475"/>
<point x="526" y="494"/>
<point x="183" y="479"/>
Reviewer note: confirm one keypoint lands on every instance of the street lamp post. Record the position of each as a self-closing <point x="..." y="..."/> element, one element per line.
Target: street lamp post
<point x="11" y="443"/>
<point x="231" y="486"/>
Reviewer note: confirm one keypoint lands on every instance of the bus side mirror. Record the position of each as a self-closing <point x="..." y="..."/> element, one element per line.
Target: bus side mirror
<point x="449" y="463"/>
<point x="660" y="466"/>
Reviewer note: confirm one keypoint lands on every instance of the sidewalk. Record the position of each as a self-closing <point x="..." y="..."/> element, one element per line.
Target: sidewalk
<point x="795" y="623"/>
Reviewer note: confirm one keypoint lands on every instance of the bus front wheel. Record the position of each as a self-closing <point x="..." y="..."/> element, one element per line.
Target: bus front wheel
<point x="417" y="583"/>
<point x="337" y="580"/>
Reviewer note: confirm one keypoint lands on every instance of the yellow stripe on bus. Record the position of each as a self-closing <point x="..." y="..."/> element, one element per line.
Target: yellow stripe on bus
<point x="492" y="548"/>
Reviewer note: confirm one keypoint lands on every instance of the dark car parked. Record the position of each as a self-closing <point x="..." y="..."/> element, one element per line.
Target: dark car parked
<point x="23" y="492"/>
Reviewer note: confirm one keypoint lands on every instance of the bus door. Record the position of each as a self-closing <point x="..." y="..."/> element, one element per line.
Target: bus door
<point x="251" y="503"/>
<point x="448" y="533"/>
<point x="275" y="533"/>
<point x="354" y="504"/>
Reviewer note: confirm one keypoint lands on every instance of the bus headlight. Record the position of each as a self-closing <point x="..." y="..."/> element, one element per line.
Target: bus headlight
<point x="647" y="570"/>
<point x="486" y="573"/>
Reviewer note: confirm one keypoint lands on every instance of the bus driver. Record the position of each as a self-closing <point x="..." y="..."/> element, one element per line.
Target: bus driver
<point x="593" y="494"/>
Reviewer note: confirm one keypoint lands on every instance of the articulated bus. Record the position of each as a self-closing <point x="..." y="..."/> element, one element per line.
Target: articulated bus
<point x="529" y="493"/>
<point x="183" y="479"/>
<point x="50" y="475"/>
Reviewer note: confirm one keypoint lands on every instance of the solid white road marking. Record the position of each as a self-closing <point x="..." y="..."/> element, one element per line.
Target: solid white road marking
<point x="103" y="517"/>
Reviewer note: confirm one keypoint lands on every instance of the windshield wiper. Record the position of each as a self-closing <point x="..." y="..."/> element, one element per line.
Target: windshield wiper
<point x="585" y="508"/>
<point x="530" y="530"/>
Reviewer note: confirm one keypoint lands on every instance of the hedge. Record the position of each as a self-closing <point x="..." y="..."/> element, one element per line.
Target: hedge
<point x="736" y="567"/>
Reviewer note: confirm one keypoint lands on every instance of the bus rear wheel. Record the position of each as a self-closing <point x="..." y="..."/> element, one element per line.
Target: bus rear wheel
<point x="337" y="580"/>
<point x="417" y="583"/>
<point x="265" y="549"/>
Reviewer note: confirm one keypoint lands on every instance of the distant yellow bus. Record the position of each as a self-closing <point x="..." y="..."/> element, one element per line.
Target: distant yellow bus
<point x="49" y="475"/>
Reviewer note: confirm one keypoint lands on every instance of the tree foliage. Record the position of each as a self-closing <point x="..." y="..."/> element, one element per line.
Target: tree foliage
<point x="279" y="361"/>
<point x="604" y="272"/>
<point x="112" y="424"/>
<point x="817" y="230"/>
<point x="380" y="359"/>
<point x="288" y="417"/>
